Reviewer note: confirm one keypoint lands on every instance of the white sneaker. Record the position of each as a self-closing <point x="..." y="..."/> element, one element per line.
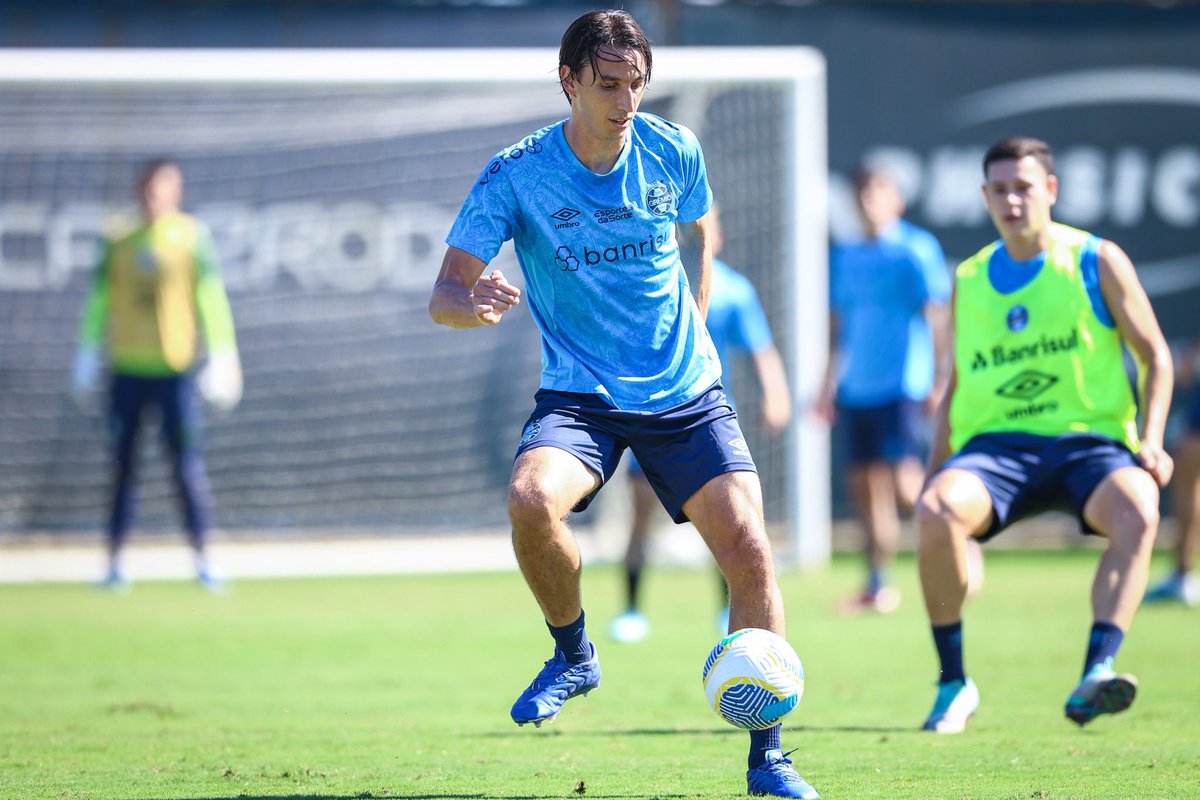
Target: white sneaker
<point x="956" y="703"/>
<point x="630" y="627"/>
<point x="883" y="600"/>
<point x="212" y="580"/>
<point x="115" y="581"/>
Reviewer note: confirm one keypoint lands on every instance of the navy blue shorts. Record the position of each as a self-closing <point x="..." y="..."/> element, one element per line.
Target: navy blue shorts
<point x="890" y="432"/>
<point x="1027" y="474"/>
<point x="1193" y="412"/>
<point x="679" y="450"/>
<point x="178" y="403"/>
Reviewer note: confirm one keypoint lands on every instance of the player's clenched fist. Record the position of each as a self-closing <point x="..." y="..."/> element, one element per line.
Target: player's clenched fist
<point x="492" y="296"/>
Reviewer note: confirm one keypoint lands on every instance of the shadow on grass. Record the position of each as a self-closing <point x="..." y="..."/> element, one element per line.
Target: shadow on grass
<point x="468" y="796"/>
<point x="731" y="731"/>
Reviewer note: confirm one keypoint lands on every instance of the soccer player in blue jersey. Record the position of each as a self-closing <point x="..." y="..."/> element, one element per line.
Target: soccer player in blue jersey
<point x="1181" y="584"/>
<point x="1039" y="414"/>
<point x="627" y="362"/>
<point x="886" y="369"/>
<point x="737" y="324"/>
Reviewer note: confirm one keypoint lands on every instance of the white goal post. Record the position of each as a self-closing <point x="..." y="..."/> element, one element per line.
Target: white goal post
<point x="272" y="140"/>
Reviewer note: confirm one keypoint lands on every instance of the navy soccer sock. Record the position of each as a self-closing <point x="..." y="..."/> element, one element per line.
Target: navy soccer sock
<point x="760" y="743"/>
<point x="1103" y="643"/>
<point x="572" y="641"/>
<point x="948" y="640"/>
<point x="633" y="585"/>
<point x="876" y="580"/>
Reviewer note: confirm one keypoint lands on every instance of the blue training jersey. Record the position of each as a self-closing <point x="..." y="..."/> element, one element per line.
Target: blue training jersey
<point x="603" y="276"/>
<point x="736" y="320"/>
<point x="878" y="289"/>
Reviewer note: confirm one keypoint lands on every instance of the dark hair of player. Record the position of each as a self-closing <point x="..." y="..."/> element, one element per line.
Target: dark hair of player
<point x="1018" y="147"/>
<point x="151" y="166"/>
<point x="597" y="30"/>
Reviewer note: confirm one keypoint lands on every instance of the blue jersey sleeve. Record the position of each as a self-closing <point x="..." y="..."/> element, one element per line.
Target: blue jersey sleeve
<point x="697" y="195"/>
<point x="752" y="333"/>
<point x="837" y="294"/>
<point x="488" y="216"/>
<point x="932" y="261"/>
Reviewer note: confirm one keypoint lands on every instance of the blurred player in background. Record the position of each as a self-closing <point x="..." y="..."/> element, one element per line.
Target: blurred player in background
<point x="1181" y="585"/>
<point x="591" y="204"/>
<point x="155" y="288"/>
<point x="1039" y="414"/>
<point x="737" y="324"/>
<point x="886" y="370"/>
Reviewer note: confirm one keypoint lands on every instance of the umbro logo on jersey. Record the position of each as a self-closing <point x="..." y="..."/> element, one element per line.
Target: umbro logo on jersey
<point x="1026" y="385"/>
<point x="566" y="218"/>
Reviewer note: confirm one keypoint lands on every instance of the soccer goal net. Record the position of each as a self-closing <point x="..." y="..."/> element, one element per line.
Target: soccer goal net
<point x="329" y="180"/>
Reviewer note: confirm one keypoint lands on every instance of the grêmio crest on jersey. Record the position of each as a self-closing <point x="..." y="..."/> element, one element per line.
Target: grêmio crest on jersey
<point x="660" y="198"/>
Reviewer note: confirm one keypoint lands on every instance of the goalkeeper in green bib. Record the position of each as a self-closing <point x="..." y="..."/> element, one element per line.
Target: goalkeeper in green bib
<point x="1041" y="414"/>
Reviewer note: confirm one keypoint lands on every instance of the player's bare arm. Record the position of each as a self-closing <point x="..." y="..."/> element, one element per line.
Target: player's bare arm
<point x="825" y="404"/>
<point x="776" y="395"/>
<point x="939" y="446"/>
<point x="937" y="315"/>
<point x="463" y="297"/>
<point x="1131" y="310"/>
<point x="696" y="250"/>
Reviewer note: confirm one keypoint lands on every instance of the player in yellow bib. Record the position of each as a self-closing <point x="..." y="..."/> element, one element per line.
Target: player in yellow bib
<point x="1040" y="414"/>
<point x="156" y="290"/>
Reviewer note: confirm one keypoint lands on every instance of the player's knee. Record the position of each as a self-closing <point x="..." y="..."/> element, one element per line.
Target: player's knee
<point x="934" y="514"/>
<point x="532" y="505"/>
<point x="746" y="560"/>
<point x="1135" y="526"/>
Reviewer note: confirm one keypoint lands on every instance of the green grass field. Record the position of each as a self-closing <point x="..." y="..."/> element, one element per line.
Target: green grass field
<point x="400" y="687"/>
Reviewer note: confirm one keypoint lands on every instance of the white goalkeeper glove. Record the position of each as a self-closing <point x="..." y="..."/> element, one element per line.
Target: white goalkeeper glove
<point x="85" y="374"/>
<point x="220" y="381"/>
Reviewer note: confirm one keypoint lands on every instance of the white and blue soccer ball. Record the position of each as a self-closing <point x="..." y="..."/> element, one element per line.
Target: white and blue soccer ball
<point x="753" y="678"/>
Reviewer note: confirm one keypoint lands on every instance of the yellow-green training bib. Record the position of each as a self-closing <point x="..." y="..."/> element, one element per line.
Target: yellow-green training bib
<point x="1044" y="358"/>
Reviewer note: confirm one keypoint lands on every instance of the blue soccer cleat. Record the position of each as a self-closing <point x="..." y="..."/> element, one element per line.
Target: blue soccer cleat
<point x="1101" y="691"/>
<point x="776" y="777"/>
<point x="955" y="704"/>
<point x="557" y="683"/>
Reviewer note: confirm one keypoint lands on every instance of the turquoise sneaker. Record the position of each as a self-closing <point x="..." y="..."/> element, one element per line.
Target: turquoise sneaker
<point x="1101" y="691"/>
<point x="776" y="777"/>
<point x="1175" y="588"/>
<point x="557" y="683"/>
<point x="956" y="703"/>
